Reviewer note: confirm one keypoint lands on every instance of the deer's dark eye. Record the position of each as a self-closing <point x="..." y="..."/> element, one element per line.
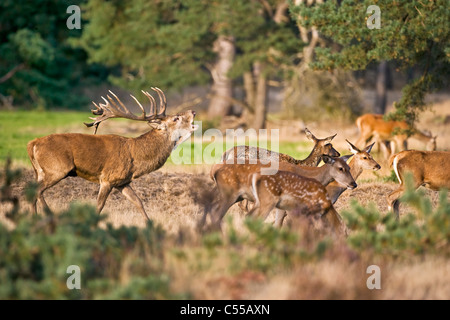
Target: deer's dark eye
<point x="341" y="169"/>
<point x="365" y="158"/>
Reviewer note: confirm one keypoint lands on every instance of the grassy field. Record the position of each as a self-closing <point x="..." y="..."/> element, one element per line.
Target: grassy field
<point x="248" y="260"/>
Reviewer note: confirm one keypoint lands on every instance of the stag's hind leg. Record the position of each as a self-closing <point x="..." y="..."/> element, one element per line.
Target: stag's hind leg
<point x="129" y="193"/>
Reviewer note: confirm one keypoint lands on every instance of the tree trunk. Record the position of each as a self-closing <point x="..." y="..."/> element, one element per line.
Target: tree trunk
<point x="381" y="88"/>
<point x="259" y="121"/>
<point x="222" y="90"/>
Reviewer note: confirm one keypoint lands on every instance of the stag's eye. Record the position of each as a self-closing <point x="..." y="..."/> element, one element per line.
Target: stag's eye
<point x="176" y="119"/>
<point x="341" y="169"/>
<point x="365" y="158"/>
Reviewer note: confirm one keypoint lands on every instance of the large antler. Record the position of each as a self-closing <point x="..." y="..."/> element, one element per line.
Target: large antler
<point x="116" y="109"/>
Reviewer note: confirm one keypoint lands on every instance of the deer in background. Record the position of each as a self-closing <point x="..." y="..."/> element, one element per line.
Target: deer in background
<point x="234" y="184"/>
<point x="362" y="160"/>
<point x="430" y="169"/>
<point x="374" y="126"/>
<point x="110" y="160"/>
<point x="296" y="194"/>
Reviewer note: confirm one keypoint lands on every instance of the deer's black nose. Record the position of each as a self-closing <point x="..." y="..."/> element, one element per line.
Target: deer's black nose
<point x="193" y="113"/>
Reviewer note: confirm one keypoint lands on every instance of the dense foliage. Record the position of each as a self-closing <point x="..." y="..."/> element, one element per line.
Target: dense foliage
<point x="411" y="33"/>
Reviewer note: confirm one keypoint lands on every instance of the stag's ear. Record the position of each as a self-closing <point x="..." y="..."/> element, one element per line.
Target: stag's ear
<point x="157" y="125"/>
<point x="369" y="148"/>
<point x="328" y="159"/>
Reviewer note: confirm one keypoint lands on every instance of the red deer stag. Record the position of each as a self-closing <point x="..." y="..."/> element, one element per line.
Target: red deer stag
<point x="234" y="181"/>
<point x="374" y="126"/>
<point x="110" y="160"/>
<point x="298" y="195"/>
<point x="430" y="169"/>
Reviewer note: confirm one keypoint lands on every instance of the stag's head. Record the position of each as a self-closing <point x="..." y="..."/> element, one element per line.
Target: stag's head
<point x="178" y="127"/>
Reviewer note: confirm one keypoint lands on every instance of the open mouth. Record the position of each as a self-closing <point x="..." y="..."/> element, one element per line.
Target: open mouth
<point x="193" y="126"/>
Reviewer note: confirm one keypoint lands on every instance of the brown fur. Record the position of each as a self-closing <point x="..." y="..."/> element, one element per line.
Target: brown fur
<point x="298" y="195"/>
<point x="109" y="160"/>
<point x="374" y="126"/>
<point x="234" y="185"/>
<point x="430" y="169"/>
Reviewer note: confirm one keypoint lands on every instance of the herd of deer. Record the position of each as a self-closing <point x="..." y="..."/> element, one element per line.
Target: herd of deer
<point x="299" y="187"/>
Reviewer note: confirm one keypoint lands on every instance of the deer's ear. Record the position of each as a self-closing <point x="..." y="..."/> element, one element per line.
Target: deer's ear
<point x="345" y="158"/>
<point x="369" y="148"/>
<point x="352" y="148"/>
<point x="328" y="159"/>
<point x="328" y="140"/>
<point x="157" y="125"/>
<point x="309" y="135"/>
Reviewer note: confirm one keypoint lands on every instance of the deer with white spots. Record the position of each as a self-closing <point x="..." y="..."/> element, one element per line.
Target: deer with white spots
<point x="110" y="160"/>
<point x="297" y="195"/>
<point x="430" y="169"/>
<point x="233" y="181"/>
<point x="361" y="160"/>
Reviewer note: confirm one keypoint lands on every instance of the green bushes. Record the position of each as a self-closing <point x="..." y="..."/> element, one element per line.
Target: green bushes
<point x="146" y="263"/>
<point x="426" y="231"/>
<point x="117" y="263"/>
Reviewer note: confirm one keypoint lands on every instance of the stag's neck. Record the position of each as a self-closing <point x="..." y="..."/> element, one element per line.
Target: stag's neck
<point x="151" y="151"/>
<point x="312" y="160"/>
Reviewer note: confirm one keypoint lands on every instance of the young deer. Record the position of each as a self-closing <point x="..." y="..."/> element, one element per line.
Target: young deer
<point x="234" y="184"/>
<point x="374" y="126"/>
<point x="362" y="160"/>
<point x="430" y="169"/>
<point x="110" y="160"/>
<point x="321" y="147"/>
<point x="298" y="195"/>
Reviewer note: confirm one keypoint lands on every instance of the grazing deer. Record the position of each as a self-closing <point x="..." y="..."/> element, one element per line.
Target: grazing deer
<point x="361" y="160"/>
<point x="321" y="147"/>
<point x="374" y="126"/>
<point x="110" y="160"/>
<point x="430" y="169"/>
<point x="234" y="184"/>
<point x="296" y="194"/>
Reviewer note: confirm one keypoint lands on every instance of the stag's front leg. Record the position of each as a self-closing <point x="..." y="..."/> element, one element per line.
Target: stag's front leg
<point x="103" y="193"/>
<point x="129" y="193"/>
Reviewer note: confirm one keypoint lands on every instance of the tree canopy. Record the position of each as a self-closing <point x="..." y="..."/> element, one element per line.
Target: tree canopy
<point x="412" y="33"/>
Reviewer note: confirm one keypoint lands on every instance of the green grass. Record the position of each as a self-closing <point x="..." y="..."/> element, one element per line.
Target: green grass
<point x="19" y="127"/>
